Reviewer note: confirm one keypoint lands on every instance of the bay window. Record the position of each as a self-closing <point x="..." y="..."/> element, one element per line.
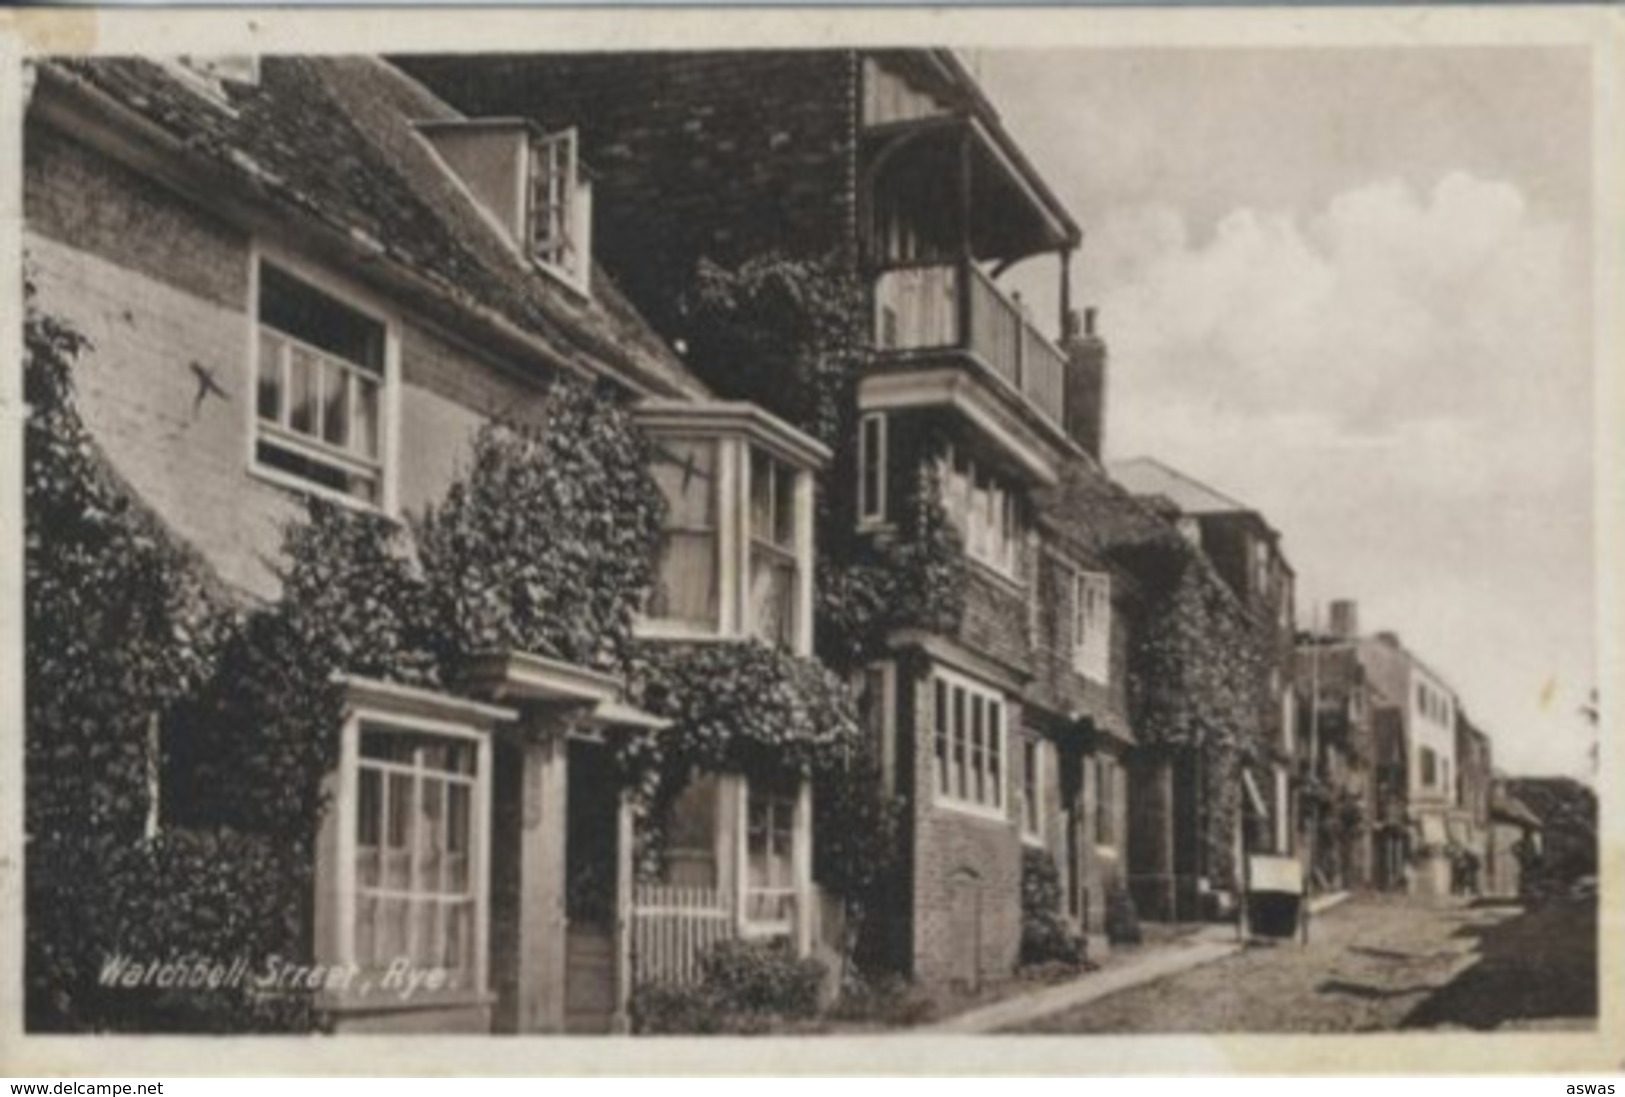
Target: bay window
<point x="686" y="587"/>
<point x="735" y="559"/>
<point x="320" y="387"/>
<point x="415" y="886"/>
<point x="969" y="741"/>
<point x="404" y="852"/>
<point x="773" y="563"/>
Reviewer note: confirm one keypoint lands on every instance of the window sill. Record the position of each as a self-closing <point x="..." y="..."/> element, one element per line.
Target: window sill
<point x="973" y="811"/>
<point x="1011" y="584"/>
<point x="661" y="629"/>
<point x="288" y="482"/>
<point x="759" y="930"/>
<point x="1033" y="841"/>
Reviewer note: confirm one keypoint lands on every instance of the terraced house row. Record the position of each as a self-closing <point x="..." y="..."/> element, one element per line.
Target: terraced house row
<point x="319" y="278"/>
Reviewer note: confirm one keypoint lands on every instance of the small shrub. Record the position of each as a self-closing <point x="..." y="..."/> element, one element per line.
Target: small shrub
<point x="745" y="987"/>
<point x="1045" y="938"/>
<point x="763" y="977"/>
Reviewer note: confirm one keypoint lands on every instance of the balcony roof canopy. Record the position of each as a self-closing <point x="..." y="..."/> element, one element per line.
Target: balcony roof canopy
<point x="1013" y="215"/>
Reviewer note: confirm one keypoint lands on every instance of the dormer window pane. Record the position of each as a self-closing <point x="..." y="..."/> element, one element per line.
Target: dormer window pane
<point x="559" y="207"/>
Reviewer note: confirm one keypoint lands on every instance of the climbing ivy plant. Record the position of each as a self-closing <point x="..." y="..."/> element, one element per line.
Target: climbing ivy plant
<point x="1197" y="670"/>
<point x="790" y="334"/>
<point x="547" y="544"/>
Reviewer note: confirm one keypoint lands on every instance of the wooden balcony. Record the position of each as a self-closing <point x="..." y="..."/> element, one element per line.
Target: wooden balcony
<point x="956" y="309"/>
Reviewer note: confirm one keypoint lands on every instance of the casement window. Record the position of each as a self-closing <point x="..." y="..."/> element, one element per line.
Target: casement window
<point x="735" y="558"/>
<point x="1430" y="766"/>
<point x="774" y="568"/>
<point x="321" y="389"/>
<point x="1444" y="776"/>
<point x="969" y="739"/>
<point x="1105" y="801"/>
<point x="1032" y="788"/>
<point x="417" y="895"/>
<point x="560" y="208"/>
<point x="687" y="581"/>
<point x="1092" y="625"/>
<point x="872" y="469"/>
<point x="986" y="510"/>
<point x="770" y="883"/>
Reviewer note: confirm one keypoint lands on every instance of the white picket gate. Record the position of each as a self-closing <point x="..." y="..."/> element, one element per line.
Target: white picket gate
<point x="671" y="929"/>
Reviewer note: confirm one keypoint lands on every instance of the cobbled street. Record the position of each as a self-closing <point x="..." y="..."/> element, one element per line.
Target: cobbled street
<point x="1378" y="963"/>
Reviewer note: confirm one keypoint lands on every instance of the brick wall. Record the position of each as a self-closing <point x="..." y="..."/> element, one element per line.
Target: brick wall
<point x="159" y="286"/>
<point x="995" y="623"/>
<point x="723" y="155"/>
<point x="966" y="880"/>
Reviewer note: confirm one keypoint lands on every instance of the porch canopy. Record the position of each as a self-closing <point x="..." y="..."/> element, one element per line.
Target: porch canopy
<point x="518" y="677"/>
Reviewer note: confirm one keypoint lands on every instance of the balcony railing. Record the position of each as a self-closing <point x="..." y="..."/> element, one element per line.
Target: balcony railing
<point x="922" y="308"/>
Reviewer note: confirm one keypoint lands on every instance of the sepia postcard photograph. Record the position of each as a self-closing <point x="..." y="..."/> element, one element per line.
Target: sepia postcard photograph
<point x="901" y="535"/>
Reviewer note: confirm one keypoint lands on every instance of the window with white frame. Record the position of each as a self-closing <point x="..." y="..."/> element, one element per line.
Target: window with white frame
<point x="320" y="388"/>
<point x="770" y="881"/>
<point x="417" y="895"/>
<point x="687" y="586"/>
<point x="872" y="469"/>
<point x="774" y="572"/>
<point x="969" y="737"/>
<point x="1092" y="625"/>
<point x="986" y="510"/>
<point x="735" y="554"/>
<point x="1032" y="787"/>
<point x="560" y="208"/>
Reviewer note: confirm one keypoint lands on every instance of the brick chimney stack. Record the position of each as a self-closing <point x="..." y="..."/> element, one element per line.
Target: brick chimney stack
<point x="1085" y="419"/>
<point x="1345" y="619"/>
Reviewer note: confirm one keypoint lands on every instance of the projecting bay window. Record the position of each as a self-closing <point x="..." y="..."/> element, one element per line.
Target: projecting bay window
<point x="686" y="589"/>
<point x="321" y="382"/>
<point x="736" y="553"/>
<point x="415" y="885"/>
<point x="403" y="865"/>
<point x="969" y="742"/>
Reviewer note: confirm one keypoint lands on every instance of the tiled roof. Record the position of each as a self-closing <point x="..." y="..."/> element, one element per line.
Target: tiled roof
<point x="331" y="140"/>
<point x="1148" y="476"/>
<point x="1093" y="515"/>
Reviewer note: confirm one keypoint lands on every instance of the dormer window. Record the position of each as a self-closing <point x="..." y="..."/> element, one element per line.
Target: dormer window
<point x="559" y="216"/>
<point x="530" y="184"/>
<point x="736" y="555"/>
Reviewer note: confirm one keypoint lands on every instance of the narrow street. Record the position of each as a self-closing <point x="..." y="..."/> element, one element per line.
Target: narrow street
<point x="1378" y="963"/>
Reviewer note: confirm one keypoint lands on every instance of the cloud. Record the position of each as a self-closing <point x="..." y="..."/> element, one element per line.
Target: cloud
<point x="1401" y="382"/>
<point x="1427" y="321"/>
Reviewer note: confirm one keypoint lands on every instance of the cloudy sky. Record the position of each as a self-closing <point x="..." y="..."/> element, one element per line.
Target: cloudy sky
<point x="1352" y="288"/>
